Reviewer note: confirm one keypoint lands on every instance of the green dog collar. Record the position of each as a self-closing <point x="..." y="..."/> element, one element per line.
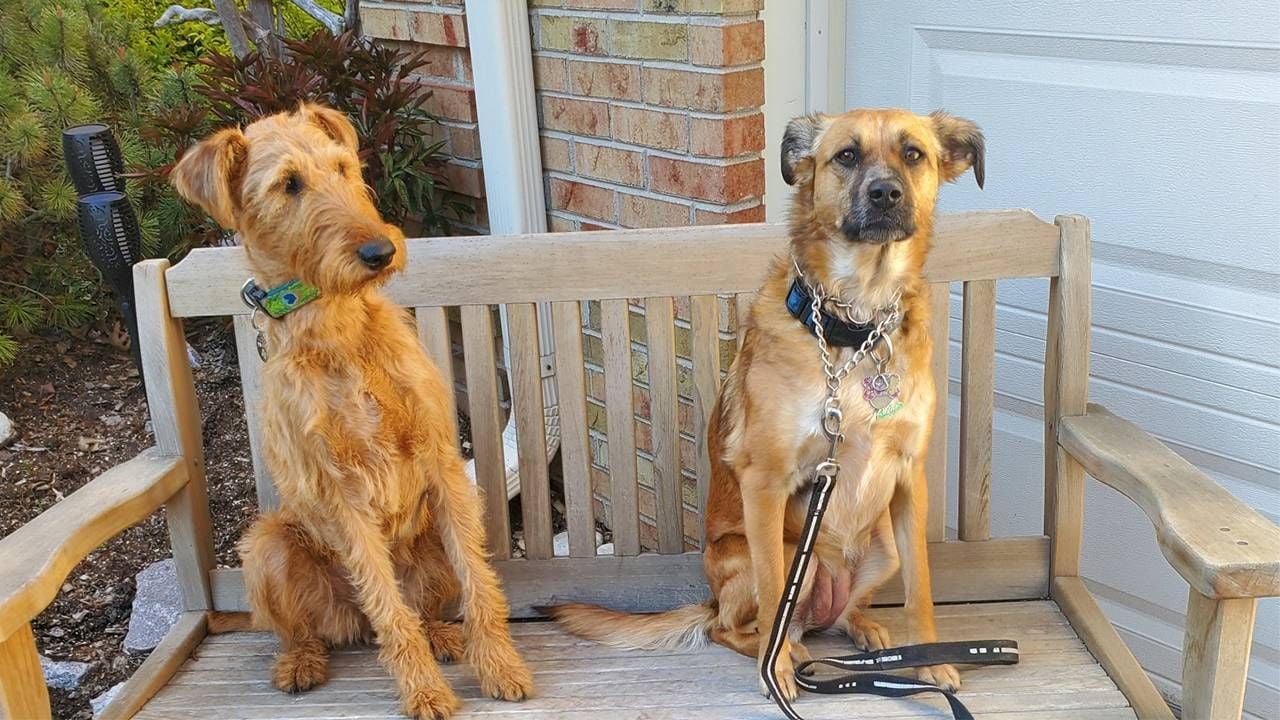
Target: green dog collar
<point x="280" y="300"/>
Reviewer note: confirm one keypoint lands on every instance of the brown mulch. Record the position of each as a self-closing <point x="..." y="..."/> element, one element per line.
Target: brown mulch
<point x="79" y="408"/>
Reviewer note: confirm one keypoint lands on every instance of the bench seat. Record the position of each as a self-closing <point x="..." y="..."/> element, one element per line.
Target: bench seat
<point x="1057" y="678"/>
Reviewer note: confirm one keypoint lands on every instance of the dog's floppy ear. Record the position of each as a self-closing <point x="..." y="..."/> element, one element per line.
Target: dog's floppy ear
<point x="334" y="124"/>
<point x="962" y="146"/>
<point x="798" y="144"/>
<point x="209" y="173"/>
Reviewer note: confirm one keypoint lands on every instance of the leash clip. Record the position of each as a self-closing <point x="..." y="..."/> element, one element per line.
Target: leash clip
<point x="832" y="417"/>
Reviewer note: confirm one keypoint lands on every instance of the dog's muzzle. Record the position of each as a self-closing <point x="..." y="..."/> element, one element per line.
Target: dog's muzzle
<point x="376" y="254"/>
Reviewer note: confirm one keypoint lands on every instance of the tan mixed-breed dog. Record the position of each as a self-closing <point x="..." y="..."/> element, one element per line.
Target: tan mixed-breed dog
<point x="861" y="226"/>
<point x="379" y="529"/>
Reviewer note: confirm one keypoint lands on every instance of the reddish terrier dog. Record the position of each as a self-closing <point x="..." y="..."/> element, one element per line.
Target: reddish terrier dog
<point x="379" y="530"/>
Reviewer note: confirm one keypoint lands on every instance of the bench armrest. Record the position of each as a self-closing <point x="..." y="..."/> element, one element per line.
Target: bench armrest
<point x="37" y="557"/>
<point x="1221" y="547"/>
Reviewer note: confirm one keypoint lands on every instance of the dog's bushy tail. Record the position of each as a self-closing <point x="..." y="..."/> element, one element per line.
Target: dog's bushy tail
<point x="682" y="628"/>
<point x="227" y="622"/>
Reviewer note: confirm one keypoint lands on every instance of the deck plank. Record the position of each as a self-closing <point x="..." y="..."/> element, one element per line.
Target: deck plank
<point x="1057" y="679"/>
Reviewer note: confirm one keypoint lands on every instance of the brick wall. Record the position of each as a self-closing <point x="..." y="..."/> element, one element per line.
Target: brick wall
<point x="439" y="27"/>
<point x="649" y="116"/>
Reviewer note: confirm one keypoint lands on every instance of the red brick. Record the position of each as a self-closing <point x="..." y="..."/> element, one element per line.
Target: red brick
<point x="746" y="215"/>
<point x="440" y="61"/>
<point x="706" y="91"/>
<point x="555" y="154"/>
<point x="604" y="79"/>
<point x="589" y="226"/>
<point x="650" y="127"/>
<point x="585" y="35"/>
<point x="422" y="26"/>
<point x="705" y="181"/>
<point x="559" y="224"/>
<point x="464" y="66"/>
<point x="465" y="179"/>
<point x="637" y="211"/>
<point x="623" y="5"/>
<point x="612" y="164"/>
<point x="726" y="45"/>
<point x="582" y="199"/>
<point x="451" y="102"/>
<point x="464" y="142"/>
<point x="726" y="137"/>
<point x="579" y="117"/>
<point x="549" y="73"/>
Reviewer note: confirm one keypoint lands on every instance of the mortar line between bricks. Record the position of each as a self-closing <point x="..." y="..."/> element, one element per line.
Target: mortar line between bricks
<point x="683" y="65"/>
<point x="607" y="185"/>
<point x="413" y="7"/>
<point x="664" y="109"/>
<point x="459" y="124"/>
<point x="708" y="20"/>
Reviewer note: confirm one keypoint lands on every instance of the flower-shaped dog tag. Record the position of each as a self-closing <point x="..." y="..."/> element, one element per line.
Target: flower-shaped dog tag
<point x="881" y="392"/>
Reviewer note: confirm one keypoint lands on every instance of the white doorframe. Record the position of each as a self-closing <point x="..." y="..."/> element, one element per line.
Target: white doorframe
<point x="804" y="64"/>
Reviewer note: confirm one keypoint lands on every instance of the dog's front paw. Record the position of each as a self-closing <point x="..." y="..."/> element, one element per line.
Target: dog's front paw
<point x="513" y="683"/>
<point x="785" y="674"/>
<point x="503" y="674"/>
<point x="432" y="703"/>
<point x="445" y="640"/>
<point x="944" y="676"/>
<point x="299" y="670"/>
<point x="867" y="634"/>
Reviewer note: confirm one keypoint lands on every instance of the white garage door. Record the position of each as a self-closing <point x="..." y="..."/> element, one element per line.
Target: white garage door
<point x="1161" y="121"/>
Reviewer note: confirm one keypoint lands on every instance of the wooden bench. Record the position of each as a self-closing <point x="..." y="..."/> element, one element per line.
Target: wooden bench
<point x="1074" y="665"/>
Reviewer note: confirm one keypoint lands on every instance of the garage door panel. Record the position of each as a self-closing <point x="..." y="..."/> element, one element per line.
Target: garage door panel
<point x="1157" y="136"/>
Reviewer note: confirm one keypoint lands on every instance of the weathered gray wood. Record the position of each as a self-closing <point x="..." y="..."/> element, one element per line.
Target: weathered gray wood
<point x="1215" y="655"/>
<point x="977" y="403"/>
<point x="664" y="424"/>
<point x="575" y="456"/>
<point x="1066" y="391"/>
<point x="433" y="333"/>
<point x="999" y="569"/>
<point x="705" y="322"/>
<point x="175" y="417"/>
<point x="1102" y="640"/>
<point x="527" y="404"/>
<point x="486" y="425"/>
<point x="627" y="263"/>
<point x="936" y="463"/>
<point x="158" y="668"/>
<point x="1222" y="547"/>
<point x="36" y="558"/>
<point x="251" y="387"/>
<point x="22" y="690"/>
<point x="1055" y="680"/>
<point x="615" y="333"/>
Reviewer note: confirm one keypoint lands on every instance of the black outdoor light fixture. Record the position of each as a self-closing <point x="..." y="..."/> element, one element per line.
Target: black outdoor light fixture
<point x="108" y="226"/>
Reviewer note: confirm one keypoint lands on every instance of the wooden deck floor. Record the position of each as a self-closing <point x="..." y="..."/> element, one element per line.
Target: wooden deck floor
<point x="576" y="680"/>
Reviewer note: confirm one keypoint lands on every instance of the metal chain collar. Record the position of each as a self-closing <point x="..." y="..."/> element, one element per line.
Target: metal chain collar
<point x="835" y="376"/>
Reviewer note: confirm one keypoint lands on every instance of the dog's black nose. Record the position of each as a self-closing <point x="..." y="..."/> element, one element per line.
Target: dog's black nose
<point x="885" y="193"/>
<point x="376" y="253"/>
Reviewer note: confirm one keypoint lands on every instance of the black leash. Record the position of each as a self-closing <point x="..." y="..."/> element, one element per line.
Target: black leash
<point x="973" y="652"/>
<point x="881" y="392"/>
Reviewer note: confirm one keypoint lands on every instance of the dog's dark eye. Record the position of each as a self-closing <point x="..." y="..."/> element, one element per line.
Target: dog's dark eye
<point x="913" y="155"/>
<point x="847" y="157"/>
<point x="293" y="184"/>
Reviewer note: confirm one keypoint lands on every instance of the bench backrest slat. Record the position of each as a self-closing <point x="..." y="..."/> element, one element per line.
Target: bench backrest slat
<point x="670" y="262"/>
<point x="643" y="324"/>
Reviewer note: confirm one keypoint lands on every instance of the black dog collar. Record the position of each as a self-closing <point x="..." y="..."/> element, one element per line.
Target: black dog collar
<point x="837" y="331"/>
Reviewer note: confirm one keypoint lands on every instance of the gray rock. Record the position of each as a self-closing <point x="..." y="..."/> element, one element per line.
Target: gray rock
<point x="112" y="420"/>
<point x="605" y="549"/>
<point x="560" y="543"/>
<point x="156" y="606"/>
<point x="101" y="702"/>
<point x="63" y="674"/>
<point x="7" y="432"/>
